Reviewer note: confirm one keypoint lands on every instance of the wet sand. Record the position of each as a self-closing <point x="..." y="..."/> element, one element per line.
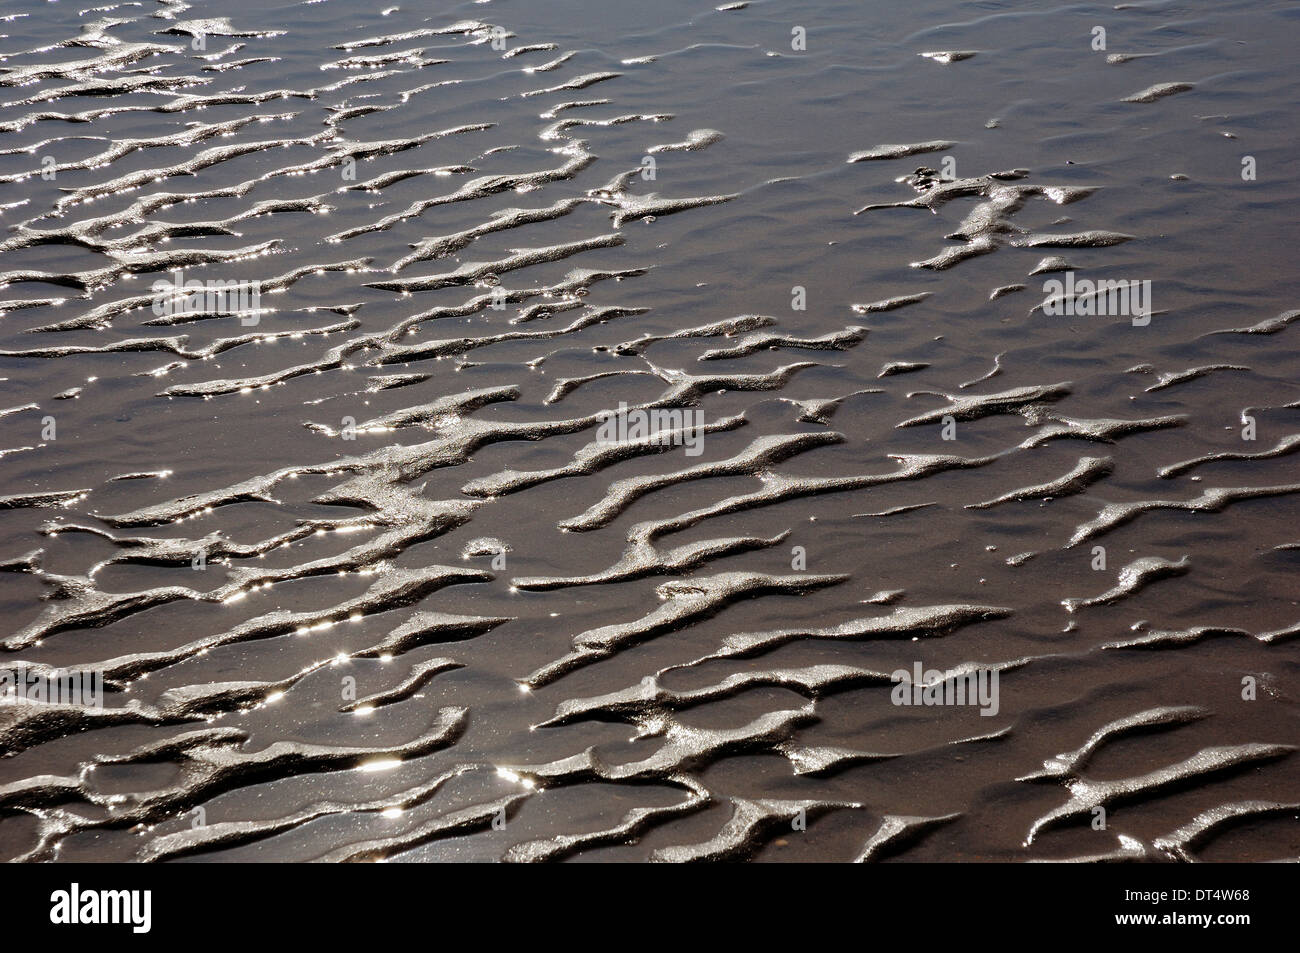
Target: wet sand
<point x="365" y="575"/>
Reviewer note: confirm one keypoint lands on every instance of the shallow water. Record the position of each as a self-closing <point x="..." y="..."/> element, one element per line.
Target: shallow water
<point x="378" y="587"/>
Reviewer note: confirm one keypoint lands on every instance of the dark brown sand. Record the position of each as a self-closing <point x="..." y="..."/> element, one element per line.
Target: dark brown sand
<point x="366" y="578"/>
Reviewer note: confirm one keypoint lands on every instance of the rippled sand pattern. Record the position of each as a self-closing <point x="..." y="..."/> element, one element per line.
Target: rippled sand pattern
<point x="365" y="582"/>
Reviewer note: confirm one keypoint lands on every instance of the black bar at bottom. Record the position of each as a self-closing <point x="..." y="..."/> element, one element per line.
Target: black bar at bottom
<point x="1224" y="903"/>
